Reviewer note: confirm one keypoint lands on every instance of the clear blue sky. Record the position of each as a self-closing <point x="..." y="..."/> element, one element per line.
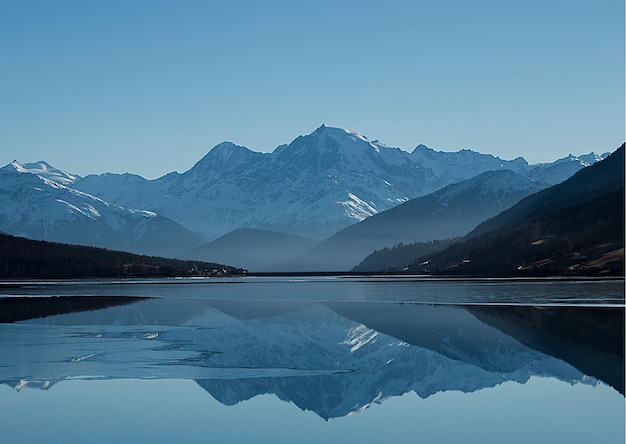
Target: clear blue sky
<point x="150" y="86"/>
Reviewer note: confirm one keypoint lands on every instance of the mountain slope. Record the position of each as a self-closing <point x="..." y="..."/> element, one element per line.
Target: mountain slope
<point x="576" y="227"/>
<point x="39" y="206"/>
<point x="251" y="249"/>
<point x="397" y="258"/>
<point x="447" y="213"/>
<point x="562" y="169"/>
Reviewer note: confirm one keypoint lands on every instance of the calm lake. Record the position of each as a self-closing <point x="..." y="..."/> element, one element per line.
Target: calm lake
<point x="312" y="359"/>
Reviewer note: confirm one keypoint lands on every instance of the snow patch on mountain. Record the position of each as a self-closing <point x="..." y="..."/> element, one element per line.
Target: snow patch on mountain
<point x="357" y="209"/>
<point x="45" y="170"/>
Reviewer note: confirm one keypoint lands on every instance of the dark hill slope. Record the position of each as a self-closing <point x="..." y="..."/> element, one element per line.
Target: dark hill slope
<point x="25" y="258"/>
<point x="574" y="228"/>
<point x="397" y="258"/>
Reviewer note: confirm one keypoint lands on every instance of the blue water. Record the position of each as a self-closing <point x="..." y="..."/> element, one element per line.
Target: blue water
<point x="391" y="289"/>
<point x="318" y="360"/>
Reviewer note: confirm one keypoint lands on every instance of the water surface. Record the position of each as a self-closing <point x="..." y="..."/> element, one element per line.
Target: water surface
<point x="314" y="360"/>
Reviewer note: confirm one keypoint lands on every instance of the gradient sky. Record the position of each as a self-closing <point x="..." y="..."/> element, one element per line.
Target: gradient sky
<point x="149" y="86"/>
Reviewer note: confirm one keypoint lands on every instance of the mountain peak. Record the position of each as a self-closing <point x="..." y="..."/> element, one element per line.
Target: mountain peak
<point x="336" y="132"/>
<point x="422" y="148"/>
<point x="44" y="169"/>
<point x="328" y="147"/>
<point x="225" y="154"/>
<point x="320" y="129"/>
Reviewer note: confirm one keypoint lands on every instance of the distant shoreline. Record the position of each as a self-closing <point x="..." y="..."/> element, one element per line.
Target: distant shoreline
<point x="16" y="282"/>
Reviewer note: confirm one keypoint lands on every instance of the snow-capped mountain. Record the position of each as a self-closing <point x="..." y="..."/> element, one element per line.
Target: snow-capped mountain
<point x="36" y="202"/>
<point x="312" y="187"/>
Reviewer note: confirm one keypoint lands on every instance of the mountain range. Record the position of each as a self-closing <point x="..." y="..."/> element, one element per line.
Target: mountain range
<point x="311" y="188"/>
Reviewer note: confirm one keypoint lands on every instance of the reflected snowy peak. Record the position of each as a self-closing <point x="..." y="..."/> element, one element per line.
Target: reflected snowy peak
<point x="334" y="359"/>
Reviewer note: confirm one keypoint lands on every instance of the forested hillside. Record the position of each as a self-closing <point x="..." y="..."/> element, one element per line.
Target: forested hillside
<point x="24" y="258"/>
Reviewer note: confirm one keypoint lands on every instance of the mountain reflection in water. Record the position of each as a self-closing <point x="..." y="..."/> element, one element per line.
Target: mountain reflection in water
<point x="332" y="358"/>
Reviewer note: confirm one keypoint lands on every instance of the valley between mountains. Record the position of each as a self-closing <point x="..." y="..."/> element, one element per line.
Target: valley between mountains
<point x="334" y="200"/>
